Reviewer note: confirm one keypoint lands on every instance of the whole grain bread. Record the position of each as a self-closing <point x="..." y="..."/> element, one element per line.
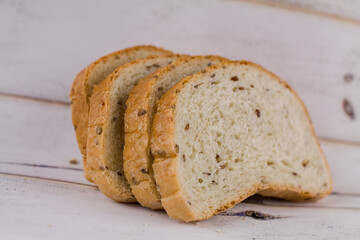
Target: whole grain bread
<point x="106" y="125"/>
<point x="143" y="98"/>
<point x="93" y="74"/>
<point x="229" y="132"/>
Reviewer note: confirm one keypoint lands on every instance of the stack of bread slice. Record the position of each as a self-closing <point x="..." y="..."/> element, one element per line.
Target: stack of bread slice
<point x="193" y="135"/>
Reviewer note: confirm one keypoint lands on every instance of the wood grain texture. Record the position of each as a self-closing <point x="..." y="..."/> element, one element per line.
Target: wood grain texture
<point x="42" y="210"/>
<point x="38" y="140"/>
<point x="347" y="9"/>
<point x="44" y="45"/>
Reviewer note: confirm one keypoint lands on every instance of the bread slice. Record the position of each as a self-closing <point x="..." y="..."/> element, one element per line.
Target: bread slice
<point x="142" y="98"/>
<point x="229" y="132"/>
<point x="106" y="125"/>
<point x="85" y="81"/>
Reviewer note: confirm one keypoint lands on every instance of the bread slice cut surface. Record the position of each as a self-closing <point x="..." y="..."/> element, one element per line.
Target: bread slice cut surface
<point x="93" y="74"/>
<point x="225" y="134"/>
<point x="106" y="125"/>
<point x="143" y="97"/>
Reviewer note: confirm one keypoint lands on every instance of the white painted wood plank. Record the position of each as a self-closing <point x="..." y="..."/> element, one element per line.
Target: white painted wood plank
<point x="44" y="44"/>
<point x="38" y="140"/>
<point x="34" y="209"/>
<point x="344" y="8"/>
<point x="344" y="162"/>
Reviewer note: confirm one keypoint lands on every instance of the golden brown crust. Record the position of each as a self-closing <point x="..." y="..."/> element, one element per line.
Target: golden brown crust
<point x="165" y="163"/>
<point x="108" y="180"/>
<point x="80" y="97"/>
<point x="137" y="154"/>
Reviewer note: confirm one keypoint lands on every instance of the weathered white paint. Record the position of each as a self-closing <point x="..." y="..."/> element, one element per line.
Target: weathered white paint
<point x="349" y="9"/>
<point x="34" y="209"/>
<point x="44" y="44"/>
<point x="41" y="134"/>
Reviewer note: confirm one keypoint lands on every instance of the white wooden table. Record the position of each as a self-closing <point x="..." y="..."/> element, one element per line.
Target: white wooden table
<point x="314" y="45"/>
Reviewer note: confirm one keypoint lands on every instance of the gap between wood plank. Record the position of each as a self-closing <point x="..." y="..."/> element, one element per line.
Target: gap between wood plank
<point x="309" y="11"/>
<point x="339" y="141"/>
<point x="36" y="99"/>
<point x="41" y="166"/>
<point x="47" y="179"/>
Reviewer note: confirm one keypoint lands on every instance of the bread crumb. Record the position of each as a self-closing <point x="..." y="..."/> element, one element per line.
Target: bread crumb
<point x="74" y="161"/>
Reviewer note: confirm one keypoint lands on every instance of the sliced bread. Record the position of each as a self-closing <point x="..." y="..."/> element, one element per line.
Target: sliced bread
<point x="106" y="125"/>
<point x="229" y="132"/>
<point x="85" y="81"/>
<point x="140" y="108"/>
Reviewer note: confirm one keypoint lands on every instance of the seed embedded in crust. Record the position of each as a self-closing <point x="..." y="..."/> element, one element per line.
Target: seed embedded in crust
<point x="258" y="113"/>
<point x="212" y="75"/>
<point x="141" y="112"/>
<point x="189" y="202"/>
<point x="196" y="86"/>
<point x="294" y="173"/>
<point x="134" y="181"/>
<point x="119" y="173"/>
<point x="184" y="158"/>
<point x="252" y="86"/>
<point x="203" y="71"/>
<point x="214" y="182"/>
<point x="241" y="88"/>
<point x="176" y="148"/>
<point x="161" y="153"/>
<point x="187" y="127"/>
<point x="117" y="57"/>
<point x="207" y="173"/>
<point x="156" y="65"/>
<point x="209" y="64"/>
<point x="160" y="88"/>
<point x="234" y="78"/>
<point x="75" y="127"/>
<point x="143" y="170"/>
<point x="98" y="130"/>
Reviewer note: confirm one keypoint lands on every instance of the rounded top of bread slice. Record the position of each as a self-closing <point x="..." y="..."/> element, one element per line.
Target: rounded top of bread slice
<point x="93" y="74"/>
<point x="141" y="105"/>
<point x="106" y="125"/>
<point x="236" y="129"/>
